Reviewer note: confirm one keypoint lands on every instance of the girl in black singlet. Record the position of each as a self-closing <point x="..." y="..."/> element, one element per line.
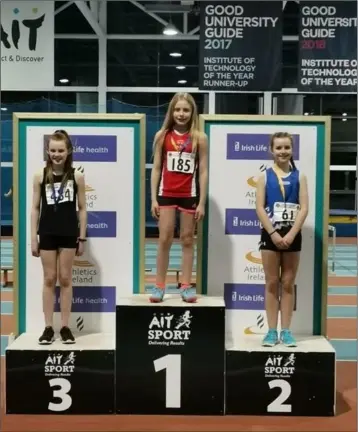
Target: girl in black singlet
<point x="57" y="233"/>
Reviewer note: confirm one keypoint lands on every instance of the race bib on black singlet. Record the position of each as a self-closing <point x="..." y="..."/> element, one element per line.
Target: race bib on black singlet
<point x="285" y="212"/>
<point x="181" y="163"/>
<point x="66" y="195"/>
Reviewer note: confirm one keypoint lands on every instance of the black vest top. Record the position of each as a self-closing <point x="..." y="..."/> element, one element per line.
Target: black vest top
<point x="59" y="213"/>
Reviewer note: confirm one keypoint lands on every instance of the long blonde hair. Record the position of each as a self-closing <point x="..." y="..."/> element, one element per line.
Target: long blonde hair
<point x="168" y="122"/>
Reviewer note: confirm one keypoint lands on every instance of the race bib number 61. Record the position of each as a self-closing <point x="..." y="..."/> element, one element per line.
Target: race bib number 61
<point x="285" y="212"/>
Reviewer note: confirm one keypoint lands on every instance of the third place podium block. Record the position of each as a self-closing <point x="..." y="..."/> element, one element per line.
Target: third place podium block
<point x="170" y="357"/>
<point x="285" y="381"/>
<point x="58" y="378"/>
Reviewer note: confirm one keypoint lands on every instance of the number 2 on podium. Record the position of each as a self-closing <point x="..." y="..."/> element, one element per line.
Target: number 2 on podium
<point x="171" y="363"/>
<point x="278" y="404"/>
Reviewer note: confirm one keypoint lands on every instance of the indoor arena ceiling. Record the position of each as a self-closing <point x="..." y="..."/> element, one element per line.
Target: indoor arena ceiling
<point x="134" y="61"/>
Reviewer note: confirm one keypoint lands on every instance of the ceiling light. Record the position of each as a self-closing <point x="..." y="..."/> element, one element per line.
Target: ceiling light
<point x="306" y="113"/>
<point x="64" y="80"/>
<point x="3" y="109"/>
<point x="170" y="30"/>
<point x="344" y="119"/>
<point x="344" y="114"/>
<point x="180" y="67"/>
<point x="182" y="81"/>
<point x="175" y="54"/>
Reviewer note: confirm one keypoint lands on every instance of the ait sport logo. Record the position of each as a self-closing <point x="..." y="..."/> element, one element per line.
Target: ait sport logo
<point x="258" y="328"/>
<point x="280" y="366"/>
<point x="252" y="181"/>
<point x="170" y="329"/>
<point x="60" y="364"/>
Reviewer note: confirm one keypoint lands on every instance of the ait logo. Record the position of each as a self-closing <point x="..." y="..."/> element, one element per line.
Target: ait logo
<point x="170" y="329"/>
<point x="254" y="257"/>
<point x="280" y="366"/>
<point x="59" y="364"/>
<point x="17" y="30"/>
<point x="252" y="181"/>
<point x="258" y="328"/>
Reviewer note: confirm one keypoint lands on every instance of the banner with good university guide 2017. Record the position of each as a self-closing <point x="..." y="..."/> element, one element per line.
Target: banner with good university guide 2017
<point x="240" y="45"/>
<point x="27" y="44"/>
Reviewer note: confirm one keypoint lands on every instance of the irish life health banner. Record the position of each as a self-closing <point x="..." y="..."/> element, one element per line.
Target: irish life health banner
<point x="27" y="45"/>
<point x="240" y="46"/>
<point x="109" y="153"/>
<point x="328" y="46"/>
<point x="231" y="230"/>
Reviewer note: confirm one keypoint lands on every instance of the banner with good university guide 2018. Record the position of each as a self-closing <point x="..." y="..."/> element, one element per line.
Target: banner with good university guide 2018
<point x="328" y="46"/>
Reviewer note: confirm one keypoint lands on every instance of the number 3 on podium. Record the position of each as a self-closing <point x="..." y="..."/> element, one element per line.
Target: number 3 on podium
<point x="61" y="393"/>
<point x="171" y="363"/>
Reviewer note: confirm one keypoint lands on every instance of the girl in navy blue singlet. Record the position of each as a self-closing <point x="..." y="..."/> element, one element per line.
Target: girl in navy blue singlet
<point x="57" y="232"/>
<point x="282" y="208"/>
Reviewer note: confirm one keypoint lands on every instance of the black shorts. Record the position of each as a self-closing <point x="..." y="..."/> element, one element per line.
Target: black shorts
<point x="183" y="204"/>
<point x="266" y="242"/>
<point x="53" y="242"/>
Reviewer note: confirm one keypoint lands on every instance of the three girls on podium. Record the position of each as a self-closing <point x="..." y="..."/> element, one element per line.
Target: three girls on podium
<point x="179" y="181"/>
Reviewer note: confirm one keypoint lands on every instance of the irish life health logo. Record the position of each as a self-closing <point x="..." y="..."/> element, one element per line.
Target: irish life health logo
<point x="241" y="222"/>
<point x="244" y="296"/>
<point x="91" y="148"/>
<point x="241" y="146"/>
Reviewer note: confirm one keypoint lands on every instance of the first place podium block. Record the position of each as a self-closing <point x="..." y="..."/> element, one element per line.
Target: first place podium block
<point x="170" y="357"/>
<point x="60" y="379"/>
<point x="277" y="381"/>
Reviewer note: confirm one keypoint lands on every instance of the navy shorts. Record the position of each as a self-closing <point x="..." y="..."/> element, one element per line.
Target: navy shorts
<point x="266" y="242"/>
<point x="53" y="242"/>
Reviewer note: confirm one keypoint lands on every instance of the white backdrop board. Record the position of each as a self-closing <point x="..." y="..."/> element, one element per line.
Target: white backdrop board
<point x="229" y="256"/>
<point x="110" y="151"/>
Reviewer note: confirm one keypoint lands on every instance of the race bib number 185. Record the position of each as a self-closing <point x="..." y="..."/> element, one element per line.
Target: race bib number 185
<point x="184" y="163"/>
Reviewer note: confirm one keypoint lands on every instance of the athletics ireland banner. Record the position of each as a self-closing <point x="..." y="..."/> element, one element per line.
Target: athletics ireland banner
<point x="109" y="151"/>
<point x="240" y="45"/>
<point x="328" y="46"/>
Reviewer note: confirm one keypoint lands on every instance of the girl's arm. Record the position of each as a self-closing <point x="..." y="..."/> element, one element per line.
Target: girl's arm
<point x="157" y="166"/>
<point x="36" y="202"/>
<point x="203" y="168"/>
<point x="82" y="208"/>
<point x="302" y="213"/>
<point x="260" y="205"/>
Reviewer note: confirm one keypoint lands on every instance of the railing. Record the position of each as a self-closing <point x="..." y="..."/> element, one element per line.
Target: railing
<point x="333" y="230"/>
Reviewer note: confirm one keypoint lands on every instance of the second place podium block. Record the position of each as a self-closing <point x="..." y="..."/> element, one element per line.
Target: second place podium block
<point x="170" y="357"/>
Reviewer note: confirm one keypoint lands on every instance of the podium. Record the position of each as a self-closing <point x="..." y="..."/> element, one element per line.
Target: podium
<point x="281" y="381"/>
<point x="170" y="357"/>
<point x="59" y="378"/>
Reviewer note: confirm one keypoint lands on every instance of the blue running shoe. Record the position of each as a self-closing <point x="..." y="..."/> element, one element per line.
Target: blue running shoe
<point x="271" y="338"/>
<point x="287" y="339"/>
<point x="157" y="295"/>
<point x="188" y="294"/>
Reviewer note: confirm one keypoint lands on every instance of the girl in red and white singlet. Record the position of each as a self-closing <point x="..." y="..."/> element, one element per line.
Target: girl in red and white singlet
<point x="178" y="182"/>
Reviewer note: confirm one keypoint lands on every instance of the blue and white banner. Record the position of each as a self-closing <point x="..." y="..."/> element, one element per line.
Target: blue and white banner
<point x="27" y="45"/>
<point x="231" y="231"/>
<point x="112" y="266"/>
